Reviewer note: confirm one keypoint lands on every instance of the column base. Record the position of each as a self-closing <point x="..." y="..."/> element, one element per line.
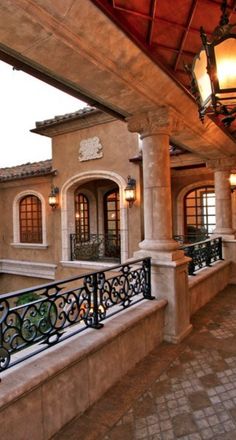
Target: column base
<point x="176" y="339"/>
<point x="169" y="278"/>
<point x="159" y="245"/>
<point x="162" y="257"/>
<point x="161" y="250"/>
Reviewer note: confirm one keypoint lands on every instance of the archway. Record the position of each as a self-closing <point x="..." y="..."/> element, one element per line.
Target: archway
<point x="103" y="181"/>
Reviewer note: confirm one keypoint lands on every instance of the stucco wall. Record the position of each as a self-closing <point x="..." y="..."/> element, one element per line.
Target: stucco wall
<point x="8" y="193"/>
<point x="11" y="283"/>
<point x="118" y="147"/>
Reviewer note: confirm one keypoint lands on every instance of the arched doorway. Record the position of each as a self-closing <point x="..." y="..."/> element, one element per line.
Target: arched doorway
<point x="95" y="187"/>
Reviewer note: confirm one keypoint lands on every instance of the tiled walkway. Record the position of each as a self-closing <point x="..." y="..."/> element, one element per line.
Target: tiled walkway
<point x="185" y="392"/>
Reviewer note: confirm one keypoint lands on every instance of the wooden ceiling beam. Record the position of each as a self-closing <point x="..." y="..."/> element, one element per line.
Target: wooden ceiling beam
<point x="188" y="25"/>
<point x="153" y="8"/>
<point x="155" y="19"/>
<point x="131" y="11"/>
<point x="173" y="49"/>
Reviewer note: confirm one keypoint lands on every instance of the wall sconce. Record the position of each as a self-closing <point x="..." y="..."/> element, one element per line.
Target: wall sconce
<point x="232" y="180"/>
<point x="130" y="191"/>
<point x="53" y="197"/>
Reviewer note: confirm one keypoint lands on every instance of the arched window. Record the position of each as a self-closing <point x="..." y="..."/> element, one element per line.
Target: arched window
<point x="199" y="209"/>
<point x="30" y="216"/>
<point x="112" y="222"/>
<point x="82" y="217"/>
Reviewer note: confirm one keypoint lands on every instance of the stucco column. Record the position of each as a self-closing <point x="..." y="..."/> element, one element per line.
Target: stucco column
<point x="223" y="203"/>
<point x="155" y="128"/>
<point x="169" y="265"/>
<point x="222" y="169"/>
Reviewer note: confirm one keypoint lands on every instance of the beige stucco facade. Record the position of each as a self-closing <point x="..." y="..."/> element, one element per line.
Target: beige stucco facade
<point x="94" y="177"/>
<point x="73" y="168"/>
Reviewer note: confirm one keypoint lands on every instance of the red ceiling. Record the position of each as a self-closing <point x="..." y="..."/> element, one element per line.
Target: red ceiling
<point x="167" y="30"/>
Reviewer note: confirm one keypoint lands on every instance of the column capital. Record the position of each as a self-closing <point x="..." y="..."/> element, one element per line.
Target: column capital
<point x="222" y="164"/>
<point x="163" y="120"/>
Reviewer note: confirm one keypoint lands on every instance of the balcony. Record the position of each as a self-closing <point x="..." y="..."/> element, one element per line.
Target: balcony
<point x="203" y="253"/>
<point x="95" y="247"/>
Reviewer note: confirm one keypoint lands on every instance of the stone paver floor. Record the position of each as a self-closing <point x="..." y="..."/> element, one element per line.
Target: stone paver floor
<point x="185" y="391"/>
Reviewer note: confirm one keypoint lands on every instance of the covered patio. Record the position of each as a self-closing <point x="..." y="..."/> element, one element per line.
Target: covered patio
<point x="126" y="76"/>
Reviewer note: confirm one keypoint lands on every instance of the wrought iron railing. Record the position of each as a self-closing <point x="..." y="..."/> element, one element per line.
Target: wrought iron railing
<point x="191" y="238"/>
<point x="95" y="247"/>
<point x="203" y="254"/>
<point x="32" y="320"/>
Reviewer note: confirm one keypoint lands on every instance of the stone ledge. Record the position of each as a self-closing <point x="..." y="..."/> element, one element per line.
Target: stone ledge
<point x="207" y="272"/>
<point x="28" y="268"/>
<point x="85" y="365"/>
<point x="91" y="265"/>
<point x="208" y="283"/>
<point x="30" y="245"/>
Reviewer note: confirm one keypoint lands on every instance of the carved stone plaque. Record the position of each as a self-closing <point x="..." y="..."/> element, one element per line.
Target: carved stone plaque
<point x="90" y="149"/>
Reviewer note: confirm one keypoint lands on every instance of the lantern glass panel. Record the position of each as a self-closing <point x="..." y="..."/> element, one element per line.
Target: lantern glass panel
<point x="52" y="200"/>
<point x="130" y="195"/>
<point x="202" y="77"/>
<point x="225" y="56"/>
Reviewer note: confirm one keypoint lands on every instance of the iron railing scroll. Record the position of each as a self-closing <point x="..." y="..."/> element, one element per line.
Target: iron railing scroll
<point x="34" y="319"/>
<point x="203" y="254"/>
<point x="95" y="247"/>
<point x="190" y="238"/>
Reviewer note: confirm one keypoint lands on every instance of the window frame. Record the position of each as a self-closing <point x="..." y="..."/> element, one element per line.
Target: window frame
<point x="30" y="217"/>
<point x="82" y="228"/>
<point x="115" y="237"/>
<point x="203" y="189"/>
<point x="16" y="221"/>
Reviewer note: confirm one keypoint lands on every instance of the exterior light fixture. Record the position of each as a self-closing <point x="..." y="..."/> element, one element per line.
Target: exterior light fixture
<point x="213" y="72"/>
<point x="130" y="191"/>
<point x="232" y="180"/>
<point x="53" y="197"/>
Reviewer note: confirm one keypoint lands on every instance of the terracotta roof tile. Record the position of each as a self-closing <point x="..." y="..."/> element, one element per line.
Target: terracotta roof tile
<point x="68" y="116"/>
<point x="26" y="170"/>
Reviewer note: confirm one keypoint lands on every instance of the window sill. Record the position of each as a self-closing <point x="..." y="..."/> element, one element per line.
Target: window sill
<point x="29" y="245"/>
<point x="91" y="265"/>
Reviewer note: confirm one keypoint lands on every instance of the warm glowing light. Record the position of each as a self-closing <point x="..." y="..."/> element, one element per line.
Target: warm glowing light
<point x="130" y="191"/>
<point x="213" y="72"/>
<point x="226" y="72"/>
<point x="101" y="308"/>
<point x="129" y="194"/>
<point x="52" y="198"/>
<point x="225" y="54"/>
<point x="232" y="179"/>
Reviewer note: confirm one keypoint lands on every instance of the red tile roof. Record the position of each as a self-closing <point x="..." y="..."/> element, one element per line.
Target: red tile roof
<point x="27" y="170"/>
<point x="86" y="111"/>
